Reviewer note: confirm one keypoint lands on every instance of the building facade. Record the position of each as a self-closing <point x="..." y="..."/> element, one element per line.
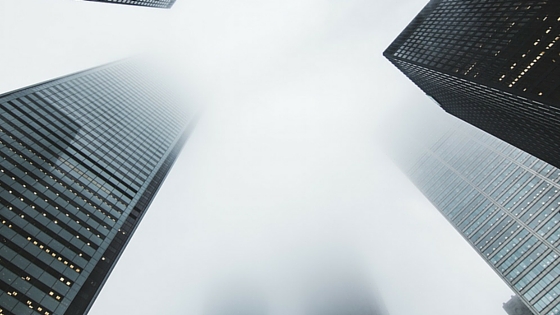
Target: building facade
<point x="493" y="63"/>
<point x="503" y="201"/>
<point x="81" y="158"/>
<point x="164" y="4"/>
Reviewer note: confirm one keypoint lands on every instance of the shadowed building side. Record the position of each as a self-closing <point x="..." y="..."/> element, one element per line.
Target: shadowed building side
<point x="494" y="64"/>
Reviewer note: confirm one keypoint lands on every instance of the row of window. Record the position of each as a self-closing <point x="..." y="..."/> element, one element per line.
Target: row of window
<point x="482" y="190"/>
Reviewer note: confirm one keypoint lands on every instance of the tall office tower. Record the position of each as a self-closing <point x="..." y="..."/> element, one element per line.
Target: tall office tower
<point x="81" y="158"/>
<point x="503" y="201"/>
<point x="492" y="63"/>
<point x="515" y="307"/>
<point x="166" y="4"/>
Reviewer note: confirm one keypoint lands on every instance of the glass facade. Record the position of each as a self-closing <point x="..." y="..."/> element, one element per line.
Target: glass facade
<point x="81" y="158"/>
<point x="503" y="201"/>
<point x="144" y="3"/>
<point x="492" y="63"/>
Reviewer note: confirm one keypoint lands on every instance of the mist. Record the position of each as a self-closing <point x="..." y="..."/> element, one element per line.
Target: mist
<point x="285" y="182"/>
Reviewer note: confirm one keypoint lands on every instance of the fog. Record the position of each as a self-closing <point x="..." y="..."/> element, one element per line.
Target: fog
<point x="285" y="164"/>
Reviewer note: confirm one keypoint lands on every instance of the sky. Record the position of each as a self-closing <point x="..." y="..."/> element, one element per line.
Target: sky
<point x="284" y="173"/>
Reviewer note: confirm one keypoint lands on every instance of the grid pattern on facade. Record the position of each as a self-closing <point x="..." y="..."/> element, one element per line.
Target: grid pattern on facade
<point x="491" y="63"/>
<point x="510" y="44"/>
<point x="528" y="124"/>
<point x="504" y="202"/>
<point x="145" y="3"/>
<point x="76" y="155"/>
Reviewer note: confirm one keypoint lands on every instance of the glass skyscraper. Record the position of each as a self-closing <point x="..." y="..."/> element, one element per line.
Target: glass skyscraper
<point x="81" y="158"/>
<point x="503" y="201"/>
<point x="492" y="63"/>
<point x="144" y="3"/>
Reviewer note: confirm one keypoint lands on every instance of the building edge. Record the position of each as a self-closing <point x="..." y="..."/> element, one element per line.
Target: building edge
<point x="89" y="292"/>
<point x="171" y="3"/>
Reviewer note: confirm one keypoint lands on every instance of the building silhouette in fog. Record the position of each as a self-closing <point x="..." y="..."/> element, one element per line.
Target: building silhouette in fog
<point x="336" y="285"/>
<point x="236" y="298"/>
<point x="144" y="3"/>
<point x="342" y="296"/>
<point x="81" y="158"/>
<point x="493" y="63"/>
<point x="515" y="307"/>
<point x="503" y="201"/>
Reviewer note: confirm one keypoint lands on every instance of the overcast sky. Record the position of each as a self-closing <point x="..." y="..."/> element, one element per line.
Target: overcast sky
<point x="285" y="163"/>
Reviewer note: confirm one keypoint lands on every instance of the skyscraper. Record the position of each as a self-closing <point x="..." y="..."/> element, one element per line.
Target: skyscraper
<point x="81" y="158"/>
<point x="144" y="3"/>
<point x="492" y="63"/>
<point x="503" y="201"/>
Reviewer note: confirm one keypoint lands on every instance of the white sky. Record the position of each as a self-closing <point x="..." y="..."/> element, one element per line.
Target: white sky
<point x="284" y="161"/>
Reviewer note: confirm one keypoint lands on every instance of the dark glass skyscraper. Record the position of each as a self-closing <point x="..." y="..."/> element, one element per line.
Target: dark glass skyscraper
<point x="492" y="63"/>
<point x="144" y="3"/>
<point x="81" y="158"/>
<point x="503" y="201"/>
